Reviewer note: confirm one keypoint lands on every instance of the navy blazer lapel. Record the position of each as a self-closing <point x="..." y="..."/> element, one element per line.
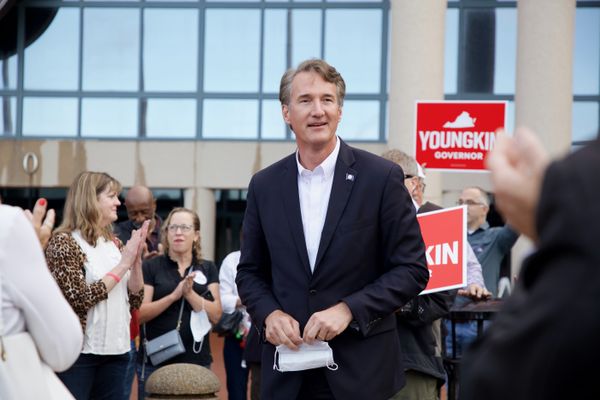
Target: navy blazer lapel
<point x="343" y="182"/>
<point x="291" y="203"/>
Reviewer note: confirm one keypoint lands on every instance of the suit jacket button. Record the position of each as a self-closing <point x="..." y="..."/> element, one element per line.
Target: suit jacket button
<point x="312" y="291"/>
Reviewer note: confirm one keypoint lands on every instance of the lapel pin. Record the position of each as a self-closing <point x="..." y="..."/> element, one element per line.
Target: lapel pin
<point x="349" y="177"/>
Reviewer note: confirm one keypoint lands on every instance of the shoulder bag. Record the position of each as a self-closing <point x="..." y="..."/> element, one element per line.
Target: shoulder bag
<point x="167" y="345"/>
<point x="229" y="323"/>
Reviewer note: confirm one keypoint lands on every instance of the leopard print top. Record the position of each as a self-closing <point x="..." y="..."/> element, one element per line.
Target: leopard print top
<point x="66" y="262"/>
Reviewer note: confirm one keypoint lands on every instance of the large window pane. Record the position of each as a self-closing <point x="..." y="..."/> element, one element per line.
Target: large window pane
<point x="230" y="119"/>
<point x="8" y="112"/>
<point x="274" y="53"/>
<point x="586" y="51"/>
<point x="170" y="50"/>
<point x="306" y="35"/>
<point x="109" y="117"/>
<point x="506" y="51"/>
<point x="353" y="46"/>
<point x="51" y="62"/>
<point x="585" y="120"/>
<point x="360" y="120"/>
<point x="47" y="116"/>
<point x="487" y="58"/>
<point x="451" y="51"/>
<point x="171" y="118"/>
<point x="231" y="55"/>
<point x="272" y="123"/>
<point x="111" y="56"/>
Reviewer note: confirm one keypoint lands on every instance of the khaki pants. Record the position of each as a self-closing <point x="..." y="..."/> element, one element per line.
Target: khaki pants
<point x="419" y="386"/>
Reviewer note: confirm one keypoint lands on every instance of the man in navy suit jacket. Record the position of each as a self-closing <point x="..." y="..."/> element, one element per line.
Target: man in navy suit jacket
<point x="331" y="249"/>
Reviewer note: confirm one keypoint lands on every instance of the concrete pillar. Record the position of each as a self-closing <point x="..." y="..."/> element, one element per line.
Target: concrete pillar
<point x="416" y="71"/>
<point x="202" y="200"/>
<point x="544" y="92"/>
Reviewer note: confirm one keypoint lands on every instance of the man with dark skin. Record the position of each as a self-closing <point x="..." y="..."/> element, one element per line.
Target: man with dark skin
<point x="141" y="206"/>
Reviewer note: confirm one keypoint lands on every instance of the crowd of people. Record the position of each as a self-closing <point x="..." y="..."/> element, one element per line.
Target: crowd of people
<point x="328" y="276"/>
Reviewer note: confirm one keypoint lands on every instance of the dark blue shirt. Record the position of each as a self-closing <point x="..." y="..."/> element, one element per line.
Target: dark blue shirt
<point x="490" y="246"/>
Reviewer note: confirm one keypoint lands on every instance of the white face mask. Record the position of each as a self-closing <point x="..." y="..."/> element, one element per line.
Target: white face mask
<point x="200" y="326"/>
<point x="309" y="356"/>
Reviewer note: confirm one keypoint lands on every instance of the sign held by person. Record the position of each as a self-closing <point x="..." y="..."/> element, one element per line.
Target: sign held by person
<point x="445" y="236"/>
<point x="457" y="135"/>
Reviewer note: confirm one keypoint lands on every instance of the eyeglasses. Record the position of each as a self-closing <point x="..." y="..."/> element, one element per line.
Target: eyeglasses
<point x="184" y="228"/>
<point x="407" y="176"/>
<point x="461" y="202"/>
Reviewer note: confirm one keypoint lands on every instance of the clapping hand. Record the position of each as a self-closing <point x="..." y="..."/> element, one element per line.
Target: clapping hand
<point x="42" y="221"/>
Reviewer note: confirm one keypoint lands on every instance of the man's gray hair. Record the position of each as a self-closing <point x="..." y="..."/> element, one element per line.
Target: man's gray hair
<point x="408" y="163"/>
<point x="484" y="196"/>
<point x="321" y="68"/>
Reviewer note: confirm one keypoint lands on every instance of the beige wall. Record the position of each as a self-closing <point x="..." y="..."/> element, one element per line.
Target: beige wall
<point x="199" y="167"/>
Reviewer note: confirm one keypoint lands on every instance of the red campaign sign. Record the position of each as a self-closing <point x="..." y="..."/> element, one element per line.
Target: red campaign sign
<point x="445" y="236"/>
<point x="456" y="135"/>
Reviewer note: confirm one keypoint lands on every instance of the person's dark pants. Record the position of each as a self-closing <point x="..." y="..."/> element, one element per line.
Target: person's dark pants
<point x="315" y="386"/>
<point x="98" y="377"/>
<point x="237" y="376"/>
<point x="254" y="380"/>
<point x="130" y="372"/>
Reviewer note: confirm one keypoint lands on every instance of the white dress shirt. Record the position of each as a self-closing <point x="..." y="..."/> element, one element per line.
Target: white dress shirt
<point x="227" y="286"/>
<point x="30" y="298"/>
<point x="314" y="189"/>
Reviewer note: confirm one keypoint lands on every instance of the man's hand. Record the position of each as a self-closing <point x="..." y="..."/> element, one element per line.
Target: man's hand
<point x="42" y="222"/>
<point x="148" y="255"/>
<point x="327" y="324"/>
<point x="475" y="292"/>
<point x="281" y="328"/>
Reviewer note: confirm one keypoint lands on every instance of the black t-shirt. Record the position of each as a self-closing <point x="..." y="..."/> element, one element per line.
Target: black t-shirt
<point x="162" y="273"/>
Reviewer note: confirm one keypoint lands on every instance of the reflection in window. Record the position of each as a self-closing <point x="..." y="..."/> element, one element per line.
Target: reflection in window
<point x="451" y="51"/>
<point x="230" y="119"/>
<point x="506" y="51"/>
<point x="274" y="53"/>
<point x="360" y="120"/>
<point x="352" y="39"/>
<point x="171" y="118"/>
<point x="586" y="51"/>
<point x="8" y="80"/>
<point x="109" y="117"/>
<point x="170" y="50"/>
<point x="306" y="35"/>
<point x="231" y="55"/>
<point x="51" y="62"/>
<point x="273" y="126"/>
<point x="48" y="116"/>
<point x="111" y="56"/>
<point x="585" y="121"/>
<point x="8" y="112"/>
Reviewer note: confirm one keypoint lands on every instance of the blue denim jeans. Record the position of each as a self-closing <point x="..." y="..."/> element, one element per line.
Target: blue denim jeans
<point x="466" y="332"/>
<point x="142" y="378"/>
<point x="130" y="371"/>
<point x="98" y="377"/>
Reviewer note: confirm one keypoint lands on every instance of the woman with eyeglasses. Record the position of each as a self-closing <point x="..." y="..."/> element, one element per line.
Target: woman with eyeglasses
<point x="100" y="281"/>
<point x="179" y="282"/>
